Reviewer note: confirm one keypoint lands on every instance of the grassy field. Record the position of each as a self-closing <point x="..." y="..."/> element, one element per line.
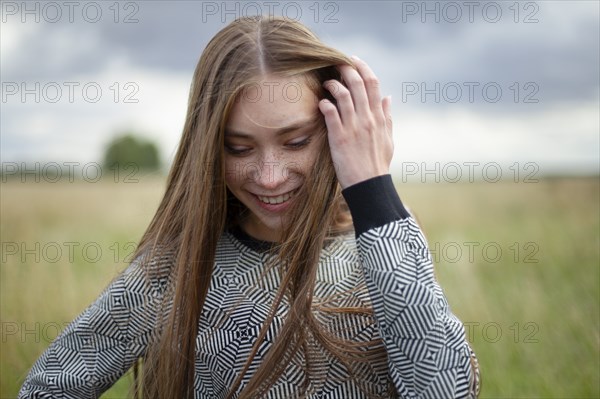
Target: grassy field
<point x="519" y="264"/>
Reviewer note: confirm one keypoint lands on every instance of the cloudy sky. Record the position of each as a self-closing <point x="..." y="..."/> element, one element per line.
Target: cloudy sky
<point x="506" y="83"/>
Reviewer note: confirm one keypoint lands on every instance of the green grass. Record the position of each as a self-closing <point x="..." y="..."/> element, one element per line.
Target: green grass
<point x="533" y="309"/>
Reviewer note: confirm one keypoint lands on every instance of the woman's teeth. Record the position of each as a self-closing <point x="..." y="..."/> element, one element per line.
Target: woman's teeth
<point x="276" y="200"/>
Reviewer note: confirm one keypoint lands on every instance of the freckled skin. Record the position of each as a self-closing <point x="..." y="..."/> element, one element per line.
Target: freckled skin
<point x="265" y="163"/>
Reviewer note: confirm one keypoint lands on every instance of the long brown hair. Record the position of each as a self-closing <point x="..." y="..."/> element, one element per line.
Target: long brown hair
<point x="197" y="208"/>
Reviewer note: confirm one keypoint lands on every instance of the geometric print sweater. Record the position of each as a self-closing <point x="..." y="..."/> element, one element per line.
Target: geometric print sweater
<point x="385" y="264"/>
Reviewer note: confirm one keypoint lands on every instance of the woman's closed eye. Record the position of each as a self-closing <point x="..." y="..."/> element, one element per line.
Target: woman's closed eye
<point x="237" y="149"/>
<point x="242" y="150"/>
<point x="298" y="143"/>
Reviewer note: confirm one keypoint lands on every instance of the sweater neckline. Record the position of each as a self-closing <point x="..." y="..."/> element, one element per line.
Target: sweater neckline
<point x="262" y="246"/>
<point x="253" y="243"/>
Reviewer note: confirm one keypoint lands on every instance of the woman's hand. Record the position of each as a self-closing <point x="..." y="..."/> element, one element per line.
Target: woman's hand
<point x="360" y="127"/>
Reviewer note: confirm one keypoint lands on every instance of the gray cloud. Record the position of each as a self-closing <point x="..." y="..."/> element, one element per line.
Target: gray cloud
<point x="559" y="53"/>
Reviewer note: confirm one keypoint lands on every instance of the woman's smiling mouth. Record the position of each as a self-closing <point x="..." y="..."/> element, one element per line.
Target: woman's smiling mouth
<point x="275" y="203"/>
<point x="277" y="199"/>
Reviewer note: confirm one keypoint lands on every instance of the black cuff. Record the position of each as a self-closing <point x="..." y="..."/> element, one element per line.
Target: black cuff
<point x="374" y="203"/>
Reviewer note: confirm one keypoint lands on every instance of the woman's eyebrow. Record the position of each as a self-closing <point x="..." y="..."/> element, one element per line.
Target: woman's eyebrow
<point x="309" y="122"/>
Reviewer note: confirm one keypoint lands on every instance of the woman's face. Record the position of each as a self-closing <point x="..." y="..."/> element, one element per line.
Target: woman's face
<point x="271" y="143"/>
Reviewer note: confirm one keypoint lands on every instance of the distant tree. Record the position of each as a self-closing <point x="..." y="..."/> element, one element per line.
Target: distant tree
<point x="127" y="149"/>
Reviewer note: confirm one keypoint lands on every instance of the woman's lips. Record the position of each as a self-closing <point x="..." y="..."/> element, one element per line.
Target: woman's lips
<point x="275" y="200"/>
<point x="277" y="203"/>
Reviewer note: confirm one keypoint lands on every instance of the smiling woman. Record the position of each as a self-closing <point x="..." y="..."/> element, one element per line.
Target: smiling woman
<point x="281" y="262"/>
<point x="270" y="147"/>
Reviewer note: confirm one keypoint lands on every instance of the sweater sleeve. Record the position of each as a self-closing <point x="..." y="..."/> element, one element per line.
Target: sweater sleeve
<point x="428" y="354"/>
<point x="102" y="343"/>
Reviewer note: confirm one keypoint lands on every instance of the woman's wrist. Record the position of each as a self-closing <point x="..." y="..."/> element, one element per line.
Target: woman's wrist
<point x="374" y="203"/>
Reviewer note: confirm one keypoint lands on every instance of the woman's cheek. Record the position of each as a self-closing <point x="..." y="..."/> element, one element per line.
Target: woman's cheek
<point x="291" y="171"/>
<point x="300" y="164"/>
<point x="235" y="169"/>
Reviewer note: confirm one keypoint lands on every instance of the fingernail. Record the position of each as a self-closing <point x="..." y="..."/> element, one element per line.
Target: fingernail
<point x="355" y="58"/>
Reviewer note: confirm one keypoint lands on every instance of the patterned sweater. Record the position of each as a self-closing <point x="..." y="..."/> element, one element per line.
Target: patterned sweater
<point x="386" y="264"/>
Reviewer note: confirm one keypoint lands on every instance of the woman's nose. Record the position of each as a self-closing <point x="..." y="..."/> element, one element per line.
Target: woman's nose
<point x="268" y="171"/>
<point x="269" y="174"/>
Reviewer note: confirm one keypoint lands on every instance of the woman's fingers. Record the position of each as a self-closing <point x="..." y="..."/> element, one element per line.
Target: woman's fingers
<point x="370" y="83"/>
<point x="332" y="116"/>
<point x="358" y="92"/>
<point x="361" y="98"/>
<point x="359" y="125"/>
<point x="386" y="105"/>
<point x="344" y="100"/>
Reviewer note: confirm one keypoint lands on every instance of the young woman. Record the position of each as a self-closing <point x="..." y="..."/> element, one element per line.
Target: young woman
<point x="281" y="262"/>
